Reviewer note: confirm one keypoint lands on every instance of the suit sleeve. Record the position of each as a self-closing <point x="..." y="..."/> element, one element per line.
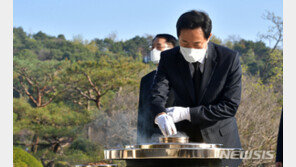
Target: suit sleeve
<point x="279" y="148"/>
<point x="160" y="89"/>
<point x="228" y="101"/>
<point x="140" y="126"/>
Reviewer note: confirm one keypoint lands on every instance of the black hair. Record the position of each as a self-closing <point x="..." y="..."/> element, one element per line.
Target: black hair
<point x="169" y="38"/>
<point x="195" y="19"/>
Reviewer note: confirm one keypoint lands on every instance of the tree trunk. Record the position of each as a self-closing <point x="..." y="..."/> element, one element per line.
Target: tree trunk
<point x="47" y="163"/>
<point x="56" y="147"/>
<point x="276" y="44"/>
<point x="88" y="105"/>
<point x="35" y="143"/>
<point x="98" y="102"/>
<point x="39" y="102"/>
<point x="89" y="131"/>
<point x="43" y="162"/>
<point x="50" y="164"/>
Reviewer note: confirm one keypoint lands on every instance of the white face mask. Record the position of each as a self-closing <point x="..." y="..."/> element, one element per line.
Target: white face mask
<point x="193" y="55"/>
<point x="155" y="55"/>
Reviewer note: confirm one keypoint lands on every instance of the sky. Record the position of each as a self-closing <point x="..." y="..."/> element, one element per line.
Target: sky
<point x="127" y="18"/>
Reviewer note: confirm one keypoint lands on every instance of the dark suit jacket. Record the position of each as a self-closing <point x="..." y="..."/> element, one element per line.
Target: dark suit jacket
<point x="212" y="112"/>
<point x="145" y="126"/>
<point x="279" y="148"/>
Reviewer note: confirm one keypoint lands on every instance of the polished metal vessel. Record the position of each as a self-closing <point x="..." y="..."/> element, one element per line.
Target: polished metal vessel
<point x="174" y="151"/>
<point x="173" y="139"/>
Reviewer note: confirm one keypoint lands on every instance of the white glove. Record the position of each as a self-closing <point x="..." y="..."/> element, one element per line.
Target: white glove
<point x="179" y="113"/>
<point x="166" y="124"/>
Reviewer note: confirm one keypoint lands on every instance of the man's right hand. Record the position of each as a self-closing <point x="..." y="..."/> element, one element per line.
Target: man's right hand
<point x="166" y="124"/>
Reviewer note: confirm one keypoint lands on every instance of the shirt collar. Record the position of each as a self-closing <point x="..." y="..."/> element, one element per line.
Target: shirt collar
<point x="206" y="56"/>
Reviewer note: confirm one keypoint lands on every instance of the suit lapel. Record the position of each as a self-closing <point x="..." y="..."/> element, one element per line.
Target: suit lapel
<point x="209" y="69"/>
<point x="184" y="71"/>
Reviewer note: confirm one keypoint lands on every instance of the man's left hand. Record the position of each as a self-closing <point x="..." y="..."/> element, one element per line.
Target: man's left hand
<point x="179" y="113"/>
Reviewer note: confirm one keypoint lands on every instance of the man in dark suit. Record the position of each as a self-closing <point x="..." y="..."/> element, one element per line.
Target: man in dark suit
<point x="146" y="128"/>
<point x="206" y="79"/>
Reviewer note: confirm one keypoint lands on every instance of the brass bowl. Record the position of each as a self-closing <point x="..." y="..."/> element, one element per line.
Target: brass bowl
<point x="174" y="140"/>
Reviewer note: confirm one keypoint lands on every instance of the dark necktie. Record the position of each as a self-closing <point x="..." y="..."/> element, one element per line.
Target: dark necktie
<point x="197" y="76"/>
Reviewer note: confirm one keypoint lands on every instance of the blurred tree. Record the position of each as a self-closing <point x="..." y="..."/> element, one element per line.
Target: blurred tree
<point x="44" y="54"/>
<point x="19" y="39"/>
<point x="253" y="54"/>
<point x="42" y="36"/>
<point x="92" y="80"/>
<point x="92" y="47"/>
<point x="272" y="71"/>
<point x="112" y="36"/>
<point x="77" y="39"/>
<point x="216" y="40"/>
<point x="26" y="54"/>
<point x="231" y="40"/>
<point x="137" y="45"/>
<point x="275" y="32"/>
<point x="23" y="41"/>
<point x="61" y="36"/>
<point x="55" y="124"/>
<point x="37" y="80"/>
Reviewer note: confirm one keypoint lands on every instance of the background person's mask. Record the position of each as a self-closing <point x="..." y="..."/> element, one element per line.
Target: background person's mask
<point x="193" y="55"/>
<point x="155" y="55"/>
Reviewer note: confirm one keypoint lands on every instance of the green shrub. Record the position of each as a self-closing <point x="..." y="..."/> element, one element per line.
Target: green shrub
<point x="62" y="164"/>
<point x="76" y="157"/>
<point x="84" y="145"/>
<point x="20" y="164"/>
<point x="23" y="159"/>
<point x="83" y="151"/>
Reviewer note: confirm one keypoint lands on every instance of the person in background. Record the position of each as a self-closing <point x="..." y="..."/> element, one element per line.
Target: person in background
<point x="146" y="127"/>
<point x="206" y="79"/>
<point x="279" y="149"/>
